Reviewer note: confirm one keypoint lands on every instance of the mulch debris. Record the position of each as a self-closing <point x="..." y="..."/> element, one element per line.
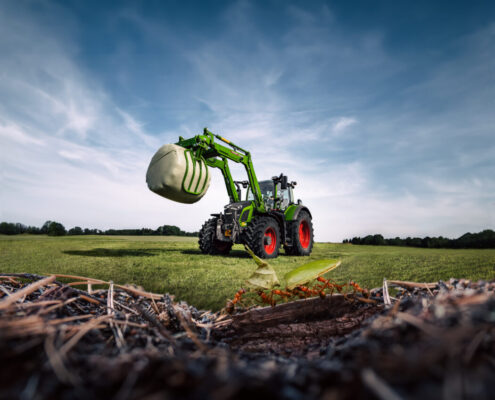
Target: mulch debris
<point x="433" y="340"/>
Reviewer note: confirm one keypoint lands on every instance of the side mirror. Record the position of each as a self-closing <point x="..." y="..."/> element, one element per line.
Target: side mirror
<point x="283" y="182"/>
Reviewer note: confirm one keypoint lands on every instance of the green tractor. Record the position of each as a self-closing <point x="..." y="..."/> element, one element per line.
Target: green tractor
<point x="266" y="218"/>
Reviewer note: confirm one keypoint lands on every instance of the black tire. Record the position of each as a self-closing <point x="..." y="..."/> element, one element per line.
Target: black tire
<point x="208" y="243"/>
<point x="301" y="234"/>
<point x="263" y="237"/>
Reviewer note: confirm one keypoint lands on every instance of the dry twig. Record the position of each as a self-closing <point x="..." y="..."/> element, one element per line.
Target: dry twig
<point x="25" y="291"/>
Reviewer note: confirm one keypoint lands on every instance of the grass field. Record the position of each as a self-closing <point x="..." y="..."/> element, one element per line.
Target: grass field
<point x="175" y="265"/>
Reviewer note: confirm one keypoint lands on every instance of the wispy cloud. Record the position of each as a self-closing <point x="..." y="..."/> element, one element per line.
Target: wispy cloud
<point x="342" y="123"/>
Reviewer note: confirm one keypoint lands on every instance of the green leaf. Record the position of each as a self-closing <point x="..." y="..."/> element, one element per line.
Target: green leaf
<point x="264" y="277"/>
<point x="307" y="272"/>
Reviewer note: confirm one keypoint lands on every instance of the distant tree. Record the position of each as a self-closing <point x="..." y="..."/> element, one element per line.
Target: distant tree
<point x="20" y="228"/>
<point x="33" y="230"/>
<point x="367" y="240"/>
<point x="7" y="228"/>
<point x="484" y="239"/>
<point x="397" y="241"/>
<point x="44" y="227"/>
<point x="378" y="240"/>
<point x="170" y="230"/>
<point x="53" y="228"/>
<point x="75" y="231"/>
<point x="56" y="229"/>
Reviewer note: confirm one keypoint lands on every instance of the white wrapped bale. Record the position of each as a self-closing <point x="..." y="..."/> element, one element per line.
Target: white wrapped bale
<point x="175" y="174"/>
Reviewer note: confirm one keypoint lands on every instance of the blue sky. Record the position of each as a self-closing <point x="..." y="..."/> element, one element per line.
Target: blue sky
<point x="382" y="111"/>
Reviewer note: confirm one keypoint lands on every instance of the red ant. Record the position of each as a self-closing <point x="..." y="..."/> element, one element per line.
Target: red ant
<point x="328" y="284"/>
<point x="357" y="288"/>
<point x="238" y="295"/>
<point x="237" y="299"/>
<point x="282" y="293"/>
<point x="305" y="292"/>
<point x="267" y="299"/>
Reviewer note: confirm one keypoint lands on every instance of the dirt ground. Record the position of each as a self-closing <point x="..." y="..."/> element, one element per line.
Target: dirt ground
<point x="432" y="340"/>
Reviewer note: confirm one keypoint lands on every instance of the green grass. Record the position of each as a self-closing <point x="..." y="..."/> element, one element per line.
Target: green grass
<point x="175" y="265"/>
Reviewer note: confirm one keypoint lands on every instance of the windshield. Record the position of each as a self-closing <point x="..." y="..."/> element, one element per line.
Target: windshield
<point x="267" y="188"/>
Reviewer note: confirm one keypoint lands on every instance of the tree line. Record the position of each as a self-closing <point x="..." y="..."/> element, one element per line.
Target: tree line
<point x="480" y="240"/>
<point x="53" y="228"/>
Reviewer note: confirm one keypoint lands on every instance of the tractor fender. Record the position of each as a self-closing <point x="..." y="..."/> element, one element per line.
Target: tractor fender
<point x="299" y="209"/>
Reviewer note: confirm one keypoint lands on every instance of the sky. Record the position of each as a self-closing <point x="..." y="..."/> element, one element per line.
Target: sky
<point x="382" y="111"/>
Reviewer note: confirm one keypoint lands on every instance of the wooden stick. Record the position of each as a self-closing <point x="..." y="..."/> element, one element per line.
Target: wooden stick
<point x="88" y="299"/>
<point x="142" y="293"/>
<point x="117" y="333"/>
<point x="5" y="290"/>
<point x="365" y="300"/>
<point x="19" y="294"/>
<point x="199" y="344"/>
<point x="126" y="308"/>
<point x="69" y="319"/>
<point x="49" y="309"/>
<point x="10" y="279"/>
<point x="414" y="285"/>
<point x="386" y="296"/>
<point x="40" y="303"/>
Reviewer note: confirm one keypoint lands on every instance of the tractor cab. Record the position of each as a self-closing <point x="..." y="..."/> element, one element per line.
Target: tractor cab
<point x="277" y="193"/>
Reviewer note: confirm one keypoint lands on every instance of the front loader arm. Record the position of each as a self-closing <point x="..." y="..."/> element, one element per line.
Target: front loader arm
<point x="216" y="155"/>
<point x="223" y="165"/>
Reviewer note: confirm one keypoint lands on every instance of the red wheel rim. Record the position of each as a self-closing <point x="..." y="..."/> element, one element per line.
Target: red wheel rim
<point x="270" y="233"/>
<point x="304" y="234"/>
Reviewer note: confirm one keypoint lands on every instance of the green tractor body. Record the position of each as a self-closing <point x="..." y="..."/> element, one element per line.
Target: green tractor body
<point x="266" y="219"/>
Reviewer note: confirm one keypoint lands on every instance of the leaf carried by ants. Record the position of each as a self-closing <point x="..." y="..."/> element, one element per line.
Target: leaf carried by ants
<point x="264" y="277"/>
<point x="307" y="272"/>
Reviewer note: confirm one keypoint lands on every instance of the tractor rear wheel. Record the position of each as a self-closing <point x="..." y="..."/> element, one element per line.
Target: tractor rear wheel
<point x="208" y="243"/>
<point x="301" y="233"/>
<point x="263" y="237"/>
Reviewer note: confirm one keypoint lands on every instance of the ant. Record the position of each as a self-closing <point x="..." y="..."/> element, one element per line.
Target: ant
<point x="357" y="288"/>
<point x="237" y="299"/>
<point x="283" y="294"/>
<point x="305" y="292"/>
<point x="328" y="284"/>
<point x="267" y="299"/>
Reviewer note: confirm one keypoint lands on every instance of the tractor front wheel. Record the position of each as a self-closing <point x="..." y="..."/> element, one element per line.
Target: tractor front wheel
<point x="301" y="233"/>
<point x="263" y="237"/>
<point x="208" y="243"/>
